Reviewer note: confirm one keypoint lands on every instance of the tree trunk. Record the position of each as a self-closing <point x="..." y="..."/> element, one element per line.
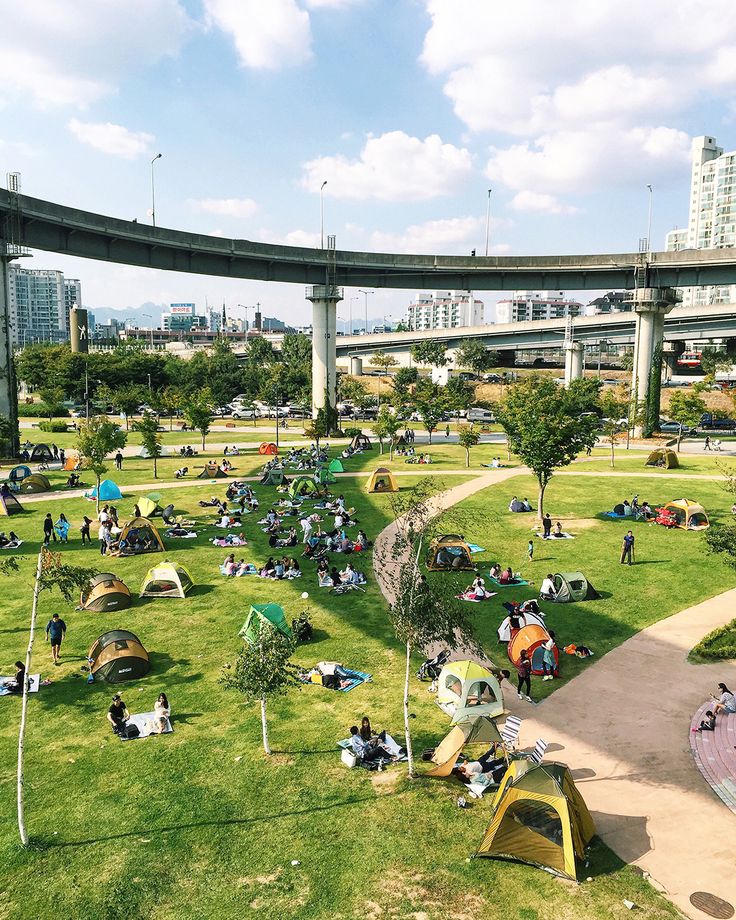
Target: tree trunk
<point x="204" y="435"/>
<point x="540" y="501"/>
<point x="391" y="449"/>
<point x="407" y="729"/>
<point x="613" y="459"/>
<point x="679" y="439"/>
<point x="264" y="726"/>
<point x="380" y="441"/>
<point x="24" y="706"/>
<point x="97" y="500"/>
<point x="155" y="468"/>
<point x="429" y="432"/>
<point x="467" y="457"/>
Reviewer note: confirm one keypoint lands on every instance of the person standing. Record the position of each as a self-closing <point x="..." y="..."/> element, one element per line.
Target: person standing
<point x="119" y="460"/>
<point x="549" y="665"/>
<point x="117" y="714"/>
<point x="547" y="526"/>
<point x="84" y="530"/>
<point x="48" y="530"/>
<point x="524" y="672"/>
<point x="104" y="538"/>
<point x="62" y="528"/>
<point x="530" y="550"/>
<point x="447" y="431"/>
<point x="627" y="549"/>
<point x="55" y="632"/>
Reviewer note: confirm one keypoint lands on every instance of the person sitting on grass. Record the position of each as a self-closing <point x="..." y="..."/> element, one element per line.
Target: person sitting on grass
<point x="495" y="572"/>
<point x="117" y="714"/>
<point x="15" y="684"/>
<point x="229" y="566"/>
<point x="478" y="589"/>
<point x="708" y="724"/>
<point x="369" y="751"/>
<point x="507" y="577"/>
<point x="268" y="570"/>
<point x="162" y="711"/>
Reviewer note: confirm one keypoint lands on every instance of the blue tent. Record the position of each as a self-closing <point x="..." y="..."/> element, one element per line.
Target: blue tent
<point x="109" y="492"/>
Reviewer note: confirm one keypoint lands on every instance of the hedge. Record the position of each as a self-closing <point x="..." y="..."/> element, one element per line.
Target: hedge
<point x="719" y="645"/>
<point x="53" y="427"/>
<point x="41" y="410"/>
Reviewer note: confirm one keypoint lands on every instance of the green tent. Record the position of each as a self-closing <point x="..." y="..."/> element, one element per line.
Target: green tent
<point x="571" y="587"/>
<point x="336" y="466"/>
<point x="260" y="614"/>
<point x="325" y="476"/>
<point x="302" y="485"/>
<point x="274" y="477"/>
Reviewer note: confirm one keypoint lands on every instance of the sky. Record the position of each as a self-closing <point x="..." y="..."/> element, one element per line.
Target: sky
<point x="410" y="110"/>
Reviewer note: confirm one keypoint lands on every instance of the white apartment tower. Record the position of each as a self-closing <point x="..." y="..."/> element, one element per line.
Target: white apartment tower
<point x="445" y="310"/>
<point x="712" y="220"/>
<point x="536" y="305"/>
<point x="39" y="302"/>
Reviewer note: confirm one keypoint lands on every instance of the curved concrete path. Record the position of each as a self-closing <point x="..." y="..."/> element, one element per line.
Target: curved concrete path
<point x="622" y="726"/>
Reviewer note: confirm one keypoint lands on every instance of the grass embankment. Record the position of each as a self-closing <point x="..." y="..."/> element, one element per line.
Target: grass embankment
<point x="719" y="645"/>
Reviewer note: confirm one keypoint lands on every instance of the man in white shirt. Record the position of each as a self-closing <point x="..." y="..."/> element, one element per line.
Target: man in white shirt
<point x="547" y="589"/>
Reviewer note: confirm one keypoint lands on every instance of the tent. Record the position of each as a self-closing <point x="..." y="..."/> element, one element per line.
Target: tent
<point x="361" y="442"/>
<point x="539" y="818"/>
<point x="72" y="460"/>
<point x="143" y="452"/>
<point x="268" y="448"/>
<point x="336" y="466"/>
<point x="140" y="536"/>
<point x="688" y="514"/>
<point x="36" y="482"/>
<point x="274" y="477"/>
<point x="168" y="579"/>
<point x="149" y="505"/>
<point x="532" y="638"/>
<point x="264" y="614"/>
<point x="109" y="491"/>
<point x="466" y="689"/>
<point x="302" y="485"/>
<point x="663" y="456"/>
<point x="448" y="553"/>
<point x="212" y="471"/>
<point x="504" y="630"/>
<point x="118" y="655"/>
<point x="474" y="730"/>
<point x="18" y="474"/>
<point x="40" y="453"/>
<point x="106" y="592"/>
<point x="571" y="587"/>
<point x="9" y="504"/>
<point x="324" y="476"/>
<point x="382" y="480"/>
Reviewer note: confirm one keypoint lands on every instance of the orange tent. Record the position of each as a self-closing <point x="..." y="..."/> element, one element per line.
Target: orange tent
<point x="72" y="460"/>
<point x="268" y="447"/>
<point x="531" y="638"/>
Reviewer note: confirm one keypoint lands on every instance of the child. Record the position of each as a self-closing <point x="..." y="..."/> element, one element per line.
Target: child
<point x="530" y="550"/>
<point x="708" y="724"/>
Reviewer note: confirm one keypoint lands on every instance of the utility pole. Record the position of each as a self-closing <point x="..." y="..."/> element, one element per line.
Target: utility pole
<point x="488" y="219"/>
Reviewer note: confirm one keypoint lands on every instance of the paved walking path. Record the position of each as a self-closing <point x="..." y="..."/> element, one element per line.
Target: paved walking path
<point x="622" y="726"/>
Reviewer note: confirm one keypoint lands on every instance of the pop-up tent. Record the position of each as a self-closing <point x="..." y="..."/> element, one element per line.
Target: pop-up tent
<point x="106" y="592"/>
<point x="41" y="453"/>
<point x="302" y="485"/>
<point x="336" y="466"/>
<point x="18" y="474"/>
<point x="274" y="477"/>
<point x="268" y="448"/>
<point x="663" y="456"/>
<point x="264" y="615"/>
<point x="168" y="579"/>
<point x="539" y="818"/>
<point x="571" y="587"/>
<point x="72" y="460"/>
<point x="109" y="492"/>
<point x="361" y="442"/>
<point x="382" y="480"/>
<point x="143" y="452"/>
<point x="465" y="689"/>
<point x="324" y="476"/>
<point x="474" y="730"/>
<point x="149" y="506"/>
<point x="118" y="655"/>
<point x="532" y="638"/>
<point x="448" y="553"/>
<point x="36" y="482"/>
<point x="9" y="504"/>
<point x="504" y="630"/>
<point x="212" y="471"/>
<point x="689" y="515"/>
<point x="140" y="536"/>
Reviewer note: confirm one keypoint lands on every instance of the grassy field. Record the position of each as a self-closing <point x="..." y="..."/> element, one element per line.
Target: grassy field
<point x="201" y="824"/>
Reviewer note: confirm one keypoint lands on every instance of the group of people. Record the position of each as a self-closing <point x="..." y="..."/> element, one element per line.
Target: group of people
<point x="331" y="575"/>
<point x="724" y="703"/>
<point x="118" y="715"/>
<point x="373" y="748"/>
<point x="504" y="576"/>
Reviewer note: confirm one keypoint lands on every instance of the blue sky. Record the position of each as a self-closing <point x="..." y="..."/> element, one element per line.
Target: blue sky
<point x="410" y="110"/>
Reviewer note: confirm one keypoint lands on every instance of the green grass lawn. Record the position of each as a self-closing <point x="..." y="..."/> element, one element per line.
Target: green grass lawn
<point x="201" y="824"/>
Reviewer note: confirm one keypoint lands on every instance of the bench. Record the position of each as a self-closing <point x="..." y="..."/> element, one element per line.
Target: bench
<point x="715" y="754"/>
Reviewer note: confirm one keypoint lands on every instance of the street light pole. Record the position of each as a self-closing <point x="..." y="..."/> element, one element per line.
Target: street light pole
<point x="488" y="219"/>
<point x="153" y="190"/>
<point x="148" y="316"/>
<point x="322" y="215"/>
<point x="649" y="220"/>
<point x="366" y="293"/>
<point x="350" y="310"/>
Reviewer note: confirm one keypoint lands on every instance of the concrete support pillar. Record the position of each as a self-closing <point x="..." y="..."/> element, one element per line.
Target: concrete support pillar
<point x="324" y="330"/>
<point x="651" y="305"/>
<point x="78" y="330"/>
<point x="8" y="386"/>
<point x="573" y="362"/>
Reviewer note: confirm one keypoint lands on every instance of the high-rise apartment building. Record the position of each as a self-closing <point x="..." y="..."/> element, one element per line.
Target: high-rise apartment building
<point x="712" y="219"/>
<point x="39" y="301"/>
<point x="445" y="310"/>
<point x="536" y="305"/>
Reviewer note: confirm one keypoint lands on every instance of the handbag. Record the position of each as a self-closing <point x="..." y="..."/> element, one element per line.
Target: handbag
<point x="348" y="758"/>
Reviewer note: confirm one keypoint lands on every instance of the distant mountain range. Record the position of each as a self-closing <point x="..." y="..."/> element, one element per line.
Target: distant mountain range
<point x="104" y="314"/>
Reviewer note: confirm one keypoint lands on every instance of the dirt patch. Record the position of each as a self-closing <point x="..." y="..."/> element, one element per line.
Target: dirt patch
<point x="386" y="781"/>
<point x="282" y="760"/>
<point x="414" y="896"/>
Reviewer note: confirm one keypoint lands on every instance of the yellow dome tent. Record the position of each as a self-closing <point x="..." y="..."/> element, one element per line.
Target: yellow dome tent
<point x="466" y="689"/>
<point x="689" y="515"/>
<point x="382" y="480"/>
<point x="475" y="730"/>
<point x="140" y="536"/>
<point x="106" y="592"/>
<point x="36" y="482"/>
<point x="448" y="553"/>
<point x="168" y="579"/>
<point x="664" y="457"/>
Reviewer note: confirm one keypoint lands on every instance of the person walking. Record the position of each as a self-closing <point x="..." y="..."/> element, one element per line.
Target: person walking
<point x="84" y="530"/>
<point x="55" y="632"/>
<point x="530" y="550"/>
<point x="524" y="672"/>
<point x="627" y="549"/>
<point x="549" y="665"/>
<point x="706" y="446"/>
<point x="48" y="530"/>
<point x="447" y="431"/>
<point x="119" y="460"/>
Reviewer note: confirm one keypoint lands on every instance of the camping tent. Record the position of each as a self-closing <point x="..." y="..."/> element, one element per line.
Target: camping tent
<point x="72" y="460"/>
<point x="448" y="553"/>
<point x="148" y="506"/>
<point x="336" y="466"/>
<point x="302" y="485"/>
<point x="532" y="638"/>
<point x="212" y="471"/>
<point x="274" y="477"/>
<point x="571" y="587"/>
<point x="109" y="491"/>
<point x="325" y="476"/>
<point x="466" y="689"/>
<point x="118" y="655"/>
<point x="168" y="579"/>
<point x="361" y="442"/>
<point x="261" y="615"/>
<point x="106" y="592"/>
<point x="539" y="818"/>
<point x="688" y="514"/>
<point x="40" y="453"/>
<point x="382" y="480"/>
<point x="36" y="482"/>
<point x="143" y="452"/>
<point x="18" y="474"/>
<point x="9" y="504"/>
<point x="140" y="536"/>
<point x="474" y="730"/>
<point x="268" y="448"/>
<point x="504" y="630"/>
<point x="663" y="456"/>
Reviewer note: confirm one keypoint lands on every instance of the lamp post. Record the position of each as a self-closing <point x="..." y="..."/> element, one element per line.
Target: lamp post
<point x="246" y="307"/>
<point x="488" y="219"/>
<point x="366" y="293"/>
<point x="153" y="190"/>
<point x="649" y="220"/>
<point x="350" y="310"/>
<point x="148" y="316"/>
<point x="322" y="215"/>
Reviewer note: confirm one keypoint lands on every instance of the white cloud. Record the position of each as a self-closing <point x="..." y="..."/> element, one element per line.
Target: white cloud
<point x="113" y="139"/>
<point x="270" y="35"/>
<point x="293" y="238"/>
<point x="74" y="52"/>
<point x="540" y="202"/>
<point x="226" y="207"/>
<point x="330" y="4"/>
<point x="451" y="235"/>
<point x="392" y="167"/>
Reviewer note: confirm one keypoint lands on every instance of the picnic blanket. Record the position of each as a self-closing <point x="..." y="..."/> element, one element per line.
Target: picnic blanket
<point x="556" y="536"/>
<point x="390" y="744"/>
<point x="519" y="583"/>
<point x="474" y="548"/>
<point x="354" y="679"/>
<point x="470" y="596"/>
<point x="34" y="683"/>
<point x="189" y="535"/>
<point x="144" y="721"/>
<point x="12" y="545"/>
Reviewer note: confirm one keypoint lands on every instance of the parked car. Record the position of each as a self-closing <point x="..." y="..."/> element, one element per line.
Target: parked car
<point x="674" y="428"/>
<point x="492" y="378"/>
<point x="369" y="414"/>
<point x="298" y="412"/>
<point x="246" y="413"/>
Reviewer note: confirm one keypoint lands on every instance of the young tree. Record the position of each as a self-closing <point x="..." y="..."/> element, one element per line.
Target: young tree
<point x="96" y="439"/>
<point x="127" y="398"/>
<point x="263" y="669"/>
<point x="150" y="438"/>
<point x="474" y="356"/>
<point x="430" y="351"/>
<point x="428" y="402"/>
<point x="52" y="398"/>
<point x="402" y="382"/>
<point x="198" y="412"/>
<point x="686" y="407"/>
<point x="171" y="401"/>
<point x="614" y="406"/>
<point x="458" y="394"/>
<point x="468" y="437"/>
<point x="546" y="425"/>
<point x="318" y="428"/>
<point x="260" y="351"/>
<point x="386" y="426"/>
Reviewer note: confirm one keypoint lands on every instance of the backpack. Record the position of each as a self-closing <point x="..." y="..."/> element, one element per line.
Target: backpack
<point x="130" y="731"/>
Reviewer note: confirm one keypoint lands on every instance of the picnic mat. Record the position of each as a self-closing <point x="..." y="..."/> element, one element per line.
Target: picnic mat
<point x="12" y="545"/>
<point x="34" y="683"/>
<point x="556" y="536"/>
<point x="355" y="679"/>
<point x="390" y="744"/>
<point x="519" y="583"/>
<point x="143" y="721"/>
<point x="475" y="600"/>
<point x="474" y="548"/>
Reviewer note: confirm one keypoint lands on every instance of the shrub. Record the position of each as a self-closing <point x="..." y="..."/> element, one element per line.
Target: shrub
<point x="53" y="427"/>
<point x="41" y="410"/>
<point x="718" y="645"/>
<point x="352" y="432"/>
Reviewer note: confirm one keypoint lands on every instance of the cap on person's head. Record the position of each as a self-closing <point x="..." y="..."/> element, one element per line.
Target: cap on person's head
<point x="116" y="696"/>
<point x="55" y="616"/>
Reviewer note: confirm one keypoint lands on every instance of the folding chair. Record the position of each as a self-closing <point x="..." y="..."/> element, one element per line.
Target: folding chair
<point x="537" y="755"/>
<point x="510" y="732"/>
